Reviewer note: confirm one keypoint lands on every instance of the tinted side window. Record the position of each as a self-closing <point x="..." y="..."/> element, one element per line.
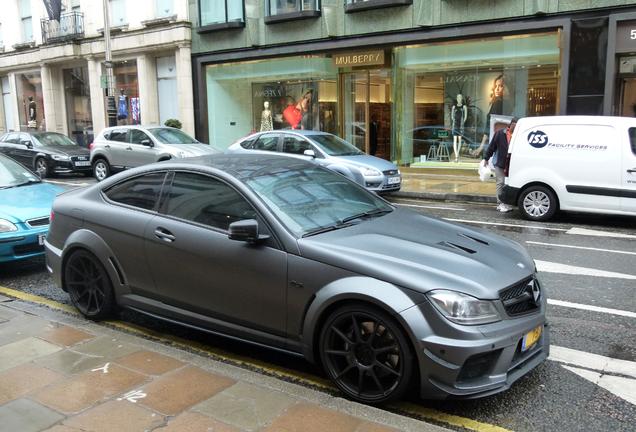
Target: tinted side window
<point x="266" y="142"/>
<point x="137" y="136"/>
<point x="12" y="138"/>
<point x="248" y="143"/>
<point x="632" y="139"/>
<point x="142" y="191"/>
<point x="120" y="135"/>
<point x="295" y="145"/>
<point x="207" y="201"/>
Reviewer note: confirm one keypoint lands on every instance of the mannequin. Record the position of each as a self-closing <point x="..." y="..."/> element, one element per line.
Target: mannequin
<point x="496" y="107"/>
<point x="32" y="113"/>
<point x="304" y="106"/>
<point x="459" y="112"/>
<point x="122" y="106"/>
<point x="266" y="118"/>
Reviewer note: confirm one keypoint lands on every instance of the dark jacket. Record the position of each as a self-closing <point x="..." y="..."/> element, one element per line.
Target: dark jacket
<point x="499" y="144"/>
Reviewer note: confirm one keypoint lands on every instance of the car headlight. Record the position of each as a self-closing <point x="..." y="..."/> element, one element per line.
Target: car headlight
<point x="463" y="309"/>
<point x="6" y="226"/>
<point x="60" y="157"/>
<point x="370" y="172"/>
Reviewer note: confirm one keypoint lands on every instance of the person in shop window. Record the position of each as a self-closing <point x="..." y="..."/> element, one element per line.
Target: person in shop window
<point x="304" y="106"/>
<point x="498" y="149"/>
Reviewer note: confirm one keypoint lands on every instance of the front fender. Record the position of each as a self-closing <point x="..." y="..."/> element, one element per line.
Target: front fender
<point x="349" y="172"/>
<point x="386" y="296"/>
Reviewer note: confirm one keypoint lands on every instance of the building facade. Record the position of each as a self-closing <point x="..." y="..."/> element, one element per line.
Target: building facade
<point x="53" y="75"/>
<point x="401" y="78"/>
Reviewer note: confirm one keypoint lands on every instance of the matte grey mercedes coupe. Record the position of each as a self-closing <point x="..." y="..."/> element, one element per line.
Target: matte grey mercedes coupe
<point x="287" y="254"/>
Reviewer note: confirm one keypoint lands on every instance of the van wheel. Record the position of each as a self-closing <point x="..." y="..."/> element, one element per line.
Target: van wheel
<point x="538" y="203"/>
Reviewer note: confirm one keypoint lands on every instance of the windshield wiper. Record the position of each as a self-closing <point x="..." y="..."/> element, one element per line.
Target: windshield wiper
<point x="370" y="213"/>
<point x="327" y="228"/>
<point x="28" y="182"/>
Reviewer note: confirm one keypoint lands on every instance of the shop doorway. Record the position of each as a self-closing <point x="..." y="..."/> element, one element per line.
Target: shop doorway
<point x="366" y="121"/>
<point x="628" y="96"/>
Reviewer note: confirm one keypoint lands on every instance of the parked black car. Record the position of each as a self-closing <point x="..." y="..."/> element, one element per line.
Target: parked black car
<point x="46" y="152"/>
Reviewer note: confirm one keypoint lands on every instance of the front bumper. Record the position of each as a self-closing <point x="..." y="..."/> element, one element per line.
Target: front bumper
<point x="21" y="244"/>
<point x="509" y="195"/>
<point x="381" y="184"/>
<point x="474" y="361"/>
<point x="54" y="262"/>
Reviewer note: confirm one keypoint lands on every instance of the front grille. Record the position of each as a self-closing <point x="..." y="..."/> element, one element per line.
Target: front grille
<point x="25" y="249"/>
<point x="38" y="222"/>
<point x="79" y="158"/>
<point x="390" y="172"/>
<point x="519" y="299"/>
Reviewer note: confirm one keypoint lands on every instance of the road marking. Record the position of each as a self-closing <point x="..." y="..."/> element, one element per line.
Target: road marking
<point x="592" y="308"/>
<point x="551" y="267"/>
<point x="596" y="233"/>
<point x="580" y="247"/>
<point x="431" y="207"/>
<point x="133" y="396"/>
<point x="537" y="227"/>
<point x="592" y="361"/>
<point x="104" y="368"/>
<point x="416" y="411"/>
<point x="624" y="388"/>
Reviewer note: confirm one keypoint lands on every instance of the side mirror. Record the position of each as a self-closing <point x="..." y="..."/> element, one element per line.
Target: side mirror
<point x="27" y="143"/>
<point x="310" y="153"/>
<point x="146" y="142"/>
<point x="246" y="230"/>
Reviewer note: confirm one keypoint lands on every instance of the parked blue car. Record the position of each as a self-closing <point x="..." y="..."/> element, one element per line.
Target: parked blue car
<point x="25" y="208"/>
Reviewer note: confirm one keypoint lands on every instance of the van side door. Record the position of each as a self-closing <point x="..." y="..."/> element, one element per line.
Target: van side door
<point x="628" y="200"/>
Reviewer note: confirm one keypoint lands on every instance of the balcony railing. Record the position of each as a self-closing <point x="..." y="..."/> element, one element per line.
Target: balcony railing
<point x="70" y="27"/>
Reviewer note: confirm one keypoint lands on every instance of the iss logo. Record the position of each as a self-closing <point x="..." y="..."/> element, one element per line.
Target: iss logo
<point x="538" y="139"/>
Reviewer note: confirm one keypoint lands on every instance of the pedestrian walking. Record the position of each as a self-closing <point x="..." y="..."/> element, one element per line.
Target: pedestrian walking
<point x="498" y="148"/>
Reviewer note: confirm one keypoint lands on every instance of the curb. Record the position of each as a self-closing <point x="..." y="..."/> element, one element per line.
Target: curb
<point x="446" y="196"/>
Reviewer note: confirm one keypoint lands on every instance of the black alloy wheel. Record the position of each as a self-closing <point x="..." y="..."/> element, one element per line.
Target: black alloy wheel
<point x="366" y="354"/>
<point x="88" y="285"/>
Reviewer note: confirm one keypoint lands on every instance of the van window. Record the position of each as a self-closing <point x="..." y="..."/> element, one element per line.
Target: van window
<point x="632" y="139"/>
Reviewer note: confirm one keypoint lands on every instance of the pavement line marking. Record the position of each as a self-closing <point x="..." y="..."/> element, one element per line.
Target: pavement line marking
<point x="505" y="224"/>
<point x="589" y="232"/>
<point x="592" y="308"/>
<point x="552" y="267"/>
<point x="592" y="361"/>
<point x="419" y="412"/>
<point x="67" y="183"/>
<point x="431" y="207"/>
<point x="580" y="247"/>
<point x="624" y="388"/>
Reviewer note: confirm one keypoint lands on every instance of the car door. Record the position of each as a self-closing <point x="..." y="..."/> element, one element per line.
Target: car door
<point x="628" y="200"/>
<point x="8" y="143"/>
<point x="116" y="145"/>
<point x="141" y="150"/>
<point x="197" y="267"/>
<point x="25" y="151"/>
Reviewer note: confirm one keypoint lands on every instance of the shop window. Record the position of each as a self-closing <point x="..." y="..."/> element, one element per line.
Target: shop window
<point x="220" y="14"/>
<point x="27" y="21"/>
<point x="30" y="102"/>
<point x="78" y="105"/>
<point x="287" y="10"/>
<point x="363" y="5"/>
<point x="128" y="103"/>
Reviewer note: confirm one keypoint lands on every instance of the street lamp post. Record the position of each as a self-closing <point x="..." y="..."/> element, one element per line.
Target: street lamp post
<point x="109" y="90"/>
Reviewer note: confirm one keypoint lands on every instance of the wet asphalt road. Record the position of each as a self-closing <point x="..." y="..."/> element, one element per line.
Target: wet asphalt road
<point x="551" y="398"/>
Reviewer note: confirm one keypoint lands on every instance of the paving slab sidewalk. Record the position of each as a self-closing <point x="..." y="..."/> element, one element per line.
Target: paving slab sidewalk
<point x="61" y="373"/>
<point x="464" y="185"/>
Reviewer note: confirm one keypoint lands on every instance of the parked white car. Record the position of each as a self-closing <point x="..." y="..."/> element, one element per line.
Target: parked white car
<point x="576" y="163"/>
<point x="121" y="147"/>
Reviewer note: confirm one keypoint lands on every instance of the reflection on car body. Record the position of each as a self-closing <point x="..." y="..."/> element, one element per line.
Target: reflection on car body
<point x="288" y="254"/>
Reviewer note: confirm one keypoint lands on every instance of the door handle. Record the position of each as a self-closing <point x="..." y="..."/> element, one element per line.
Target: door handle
<point x="164" y="234"/>
<point x="633" y="170"/>
<point x="106" y="146"/>
<point x="128" y="148"/>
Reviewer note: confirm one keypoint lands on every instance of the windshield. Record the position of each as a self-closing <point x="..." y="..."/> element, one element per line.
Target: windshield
<point x="13" y="174"/>
<point x="334" y="146"/>
<point x="53" y="139"/>
<point x="172" y="136"/>
<point x="312" y="200"/>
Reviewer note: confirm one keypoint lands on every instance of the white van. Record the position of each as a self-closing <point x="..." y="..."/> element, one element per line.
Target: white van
<point x="577" y="163"/>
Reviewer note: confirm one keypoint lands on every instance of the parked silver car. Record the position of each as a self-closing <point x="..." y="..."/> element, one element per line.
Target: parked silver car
<point x="121" y="147"/>
<point x="283" y="253"/>
<point x="330" y="151"/>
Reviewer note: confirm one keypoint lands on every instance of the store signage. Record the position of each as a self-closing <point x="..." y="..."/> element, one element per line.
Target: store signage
<point x="626" y="36"/>
<point x="362" y="58"/>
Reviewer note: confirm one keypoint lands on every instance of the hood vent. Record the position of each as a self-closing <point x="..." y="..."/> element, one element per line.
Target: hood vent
<point x="484" y="242"/>
<point x="456" y="246"/>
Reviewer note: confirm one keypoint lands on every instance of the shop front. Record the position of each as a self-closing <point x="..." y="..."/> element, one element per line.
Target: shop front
<point x="413" y="104"/>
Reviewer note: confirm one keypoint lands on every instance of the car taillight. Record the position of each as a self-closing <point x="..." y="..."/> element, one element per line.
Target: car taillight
<point x="507" y="166"/>
<point x="90" y="146"/>
<point x="51" y="217"/>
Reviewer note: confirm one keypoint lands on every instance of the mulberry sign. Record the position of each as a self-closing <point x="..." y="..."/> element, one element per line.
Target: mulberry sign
<point x="365" y="58"/>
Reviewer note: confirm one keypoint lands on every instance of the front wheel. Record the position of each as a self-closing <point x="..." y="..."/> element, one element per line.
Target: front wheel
<point x="366" y="354"/>
<point x="41" y="167"/>
<point x="88" y="285"/>
<point x="101" y="169"/>
<point x="538" y="203"/>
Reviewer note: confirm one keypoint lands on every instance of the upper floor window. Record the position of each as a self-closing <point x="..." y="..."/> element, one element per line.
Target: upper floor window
<point x="285" y="10"/>
<point x="362" y="5"/>
<point x="221" y="14"/>
<point x="163" y="8"/>
<point x="118" y="13"/>
<point x="27" y="21"/>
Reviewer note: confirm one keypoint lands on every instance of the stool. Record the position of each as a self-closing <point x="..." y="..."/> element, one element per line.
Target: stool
<point x="432" y="153"/>
<point x="442" y="152"/>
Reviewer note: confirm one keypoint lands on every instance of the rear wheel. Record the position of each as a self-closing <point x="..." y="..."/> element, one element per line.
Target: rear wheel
<point x="538" y="203"/>
<point x="365" y="352"/>
<point x="88" y="285"/>
<point x="41" y="167"/>
<point x="101" y="169"/>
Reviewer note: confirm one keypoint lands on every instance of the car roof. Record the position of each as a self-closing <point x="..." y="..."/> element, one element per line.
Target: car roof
<point x="302" y="132"/>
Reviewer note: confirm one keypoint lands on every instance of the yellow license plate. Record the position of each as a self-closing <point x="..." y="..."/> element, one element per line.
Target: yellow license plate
<point x="531" y="338"/>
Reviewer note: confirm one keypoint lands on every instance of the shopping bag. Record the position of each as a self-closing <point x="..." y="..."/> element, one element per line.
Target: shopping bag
<point x="486" y="173"/>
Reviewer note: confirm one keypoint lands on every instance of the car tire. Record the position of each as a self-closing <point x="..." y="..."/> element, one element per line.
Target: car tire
<point x="101" y="169"/>
<point x="88" y="285"/>
<point x="538" y="203"/>
<point x="41" y="167"/>
<point x="366" y="354"/>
